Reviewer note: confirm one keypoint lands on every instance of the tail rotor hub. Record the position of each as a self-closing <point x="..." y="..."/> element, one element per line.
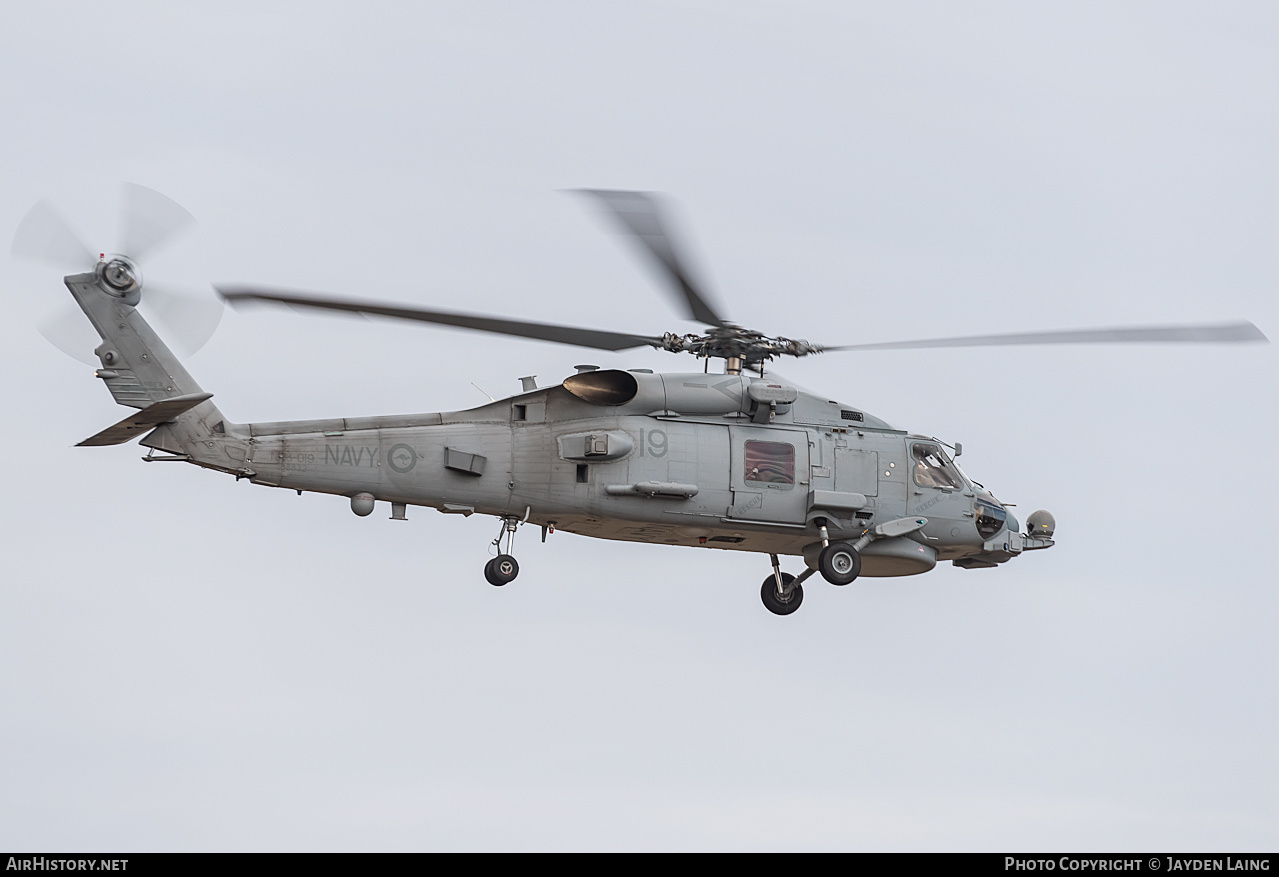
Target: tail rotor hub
<point x="119" y="276"/>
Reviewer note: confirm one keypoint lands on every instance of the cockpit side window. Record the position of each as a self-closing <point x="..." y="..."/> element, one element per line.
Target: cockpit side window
<point x="933" y="468"/>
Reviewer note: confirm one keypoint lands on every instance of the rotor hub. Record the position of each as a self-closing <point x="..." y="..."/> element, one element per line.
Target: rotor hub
<point x="119" y="276"/>
<point x="734" y="342"/>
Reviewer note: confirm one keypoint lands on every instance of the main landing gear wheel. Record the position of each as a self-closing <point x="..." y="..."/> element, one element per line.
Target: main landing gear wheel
<point x="775" y="602"/>
<point x="839" y="563"/>
<point x="501" y="570"/>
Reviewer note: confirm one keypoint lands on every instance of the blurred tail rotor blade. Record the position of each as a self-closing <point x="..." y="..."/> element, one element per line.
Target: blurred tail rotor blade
<point x="44" y="236"/>
<point x="148" y="219"/>
<point x="640" y="215"/>
<point x="71" y="333"/>
<point x="190" y="318"/>
<point x="1206" y="333"/>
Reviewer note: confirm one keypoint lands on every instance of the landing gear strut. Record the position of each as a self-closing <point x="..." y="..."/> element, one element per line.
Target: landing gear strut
<point x="503" y="569"/>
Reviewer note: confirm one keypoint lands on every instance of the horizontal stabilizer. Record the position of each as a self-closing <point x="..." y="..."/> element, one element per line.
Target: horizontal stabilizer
<point x="148" y="418"/>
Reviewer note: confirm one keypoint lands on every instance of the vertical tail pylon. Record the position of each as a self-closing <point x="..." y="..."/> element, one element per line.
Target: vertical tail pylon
<point x="141" y="372"/>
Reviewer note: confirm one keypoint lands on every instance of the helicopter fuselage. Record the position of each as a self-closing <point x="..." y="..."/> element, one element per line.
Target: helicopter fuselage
<point x="680" y="459"/>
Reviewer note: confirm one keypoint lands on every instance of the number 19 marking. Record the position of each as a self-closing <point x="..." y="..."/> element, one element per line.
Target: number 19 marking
<point x="656" y="443"/>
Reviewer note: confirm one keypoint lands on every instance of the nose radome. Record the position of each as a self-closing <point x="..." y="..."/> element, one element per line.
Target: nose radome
<point x="1041" y="523"/>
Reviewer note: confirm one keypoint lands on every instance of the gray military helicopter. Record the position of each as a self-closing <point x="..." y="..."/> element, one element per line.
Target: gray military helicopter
<point x="735" y="460"/>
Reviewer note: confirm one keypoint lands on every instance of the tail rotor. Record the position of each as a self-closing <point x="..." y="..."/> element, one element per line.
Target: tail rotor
<point x="148" y="222"/>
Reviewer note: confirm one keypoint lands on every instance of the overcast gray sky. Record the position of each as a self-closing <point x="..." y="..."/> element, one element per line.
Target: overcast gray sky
<point x="190" y="663"/>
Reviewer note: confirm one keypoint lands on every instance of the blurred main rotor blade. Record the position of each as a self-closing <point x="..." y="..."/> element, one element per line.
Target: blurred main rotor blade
<point x="519" y="328"/>
<point x="639" y="214"/>
<point x="190" y="319"/>
<point x="1215" y="333"/>
<point x="44" y="236"/>
<point x="148" y="219"/>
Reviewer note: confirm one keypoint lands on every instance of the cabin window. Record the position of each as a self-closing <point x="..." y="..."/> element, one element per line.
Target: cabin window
<point x="583" y="473"/>
<point x="933" y="468"/>
<point x="770" y="462"/>
<point x="519" y="412"/>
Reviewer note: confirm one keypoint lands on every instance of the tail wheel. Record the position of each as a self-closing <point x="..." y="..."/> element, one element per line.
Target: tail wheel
<point x="501" y="570"/>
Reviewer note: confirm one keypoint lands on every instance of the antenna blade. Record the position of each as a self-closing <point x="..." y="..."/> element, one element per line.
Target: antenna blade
<point x="1205" y="333"/>
<point x="593" y="338"/>
<point x="640" y="216"/>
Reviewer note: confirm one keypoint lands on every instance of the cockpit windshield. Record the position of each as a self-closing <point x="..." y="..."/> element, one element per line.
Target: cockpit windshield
<point x="933" y="468"/>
